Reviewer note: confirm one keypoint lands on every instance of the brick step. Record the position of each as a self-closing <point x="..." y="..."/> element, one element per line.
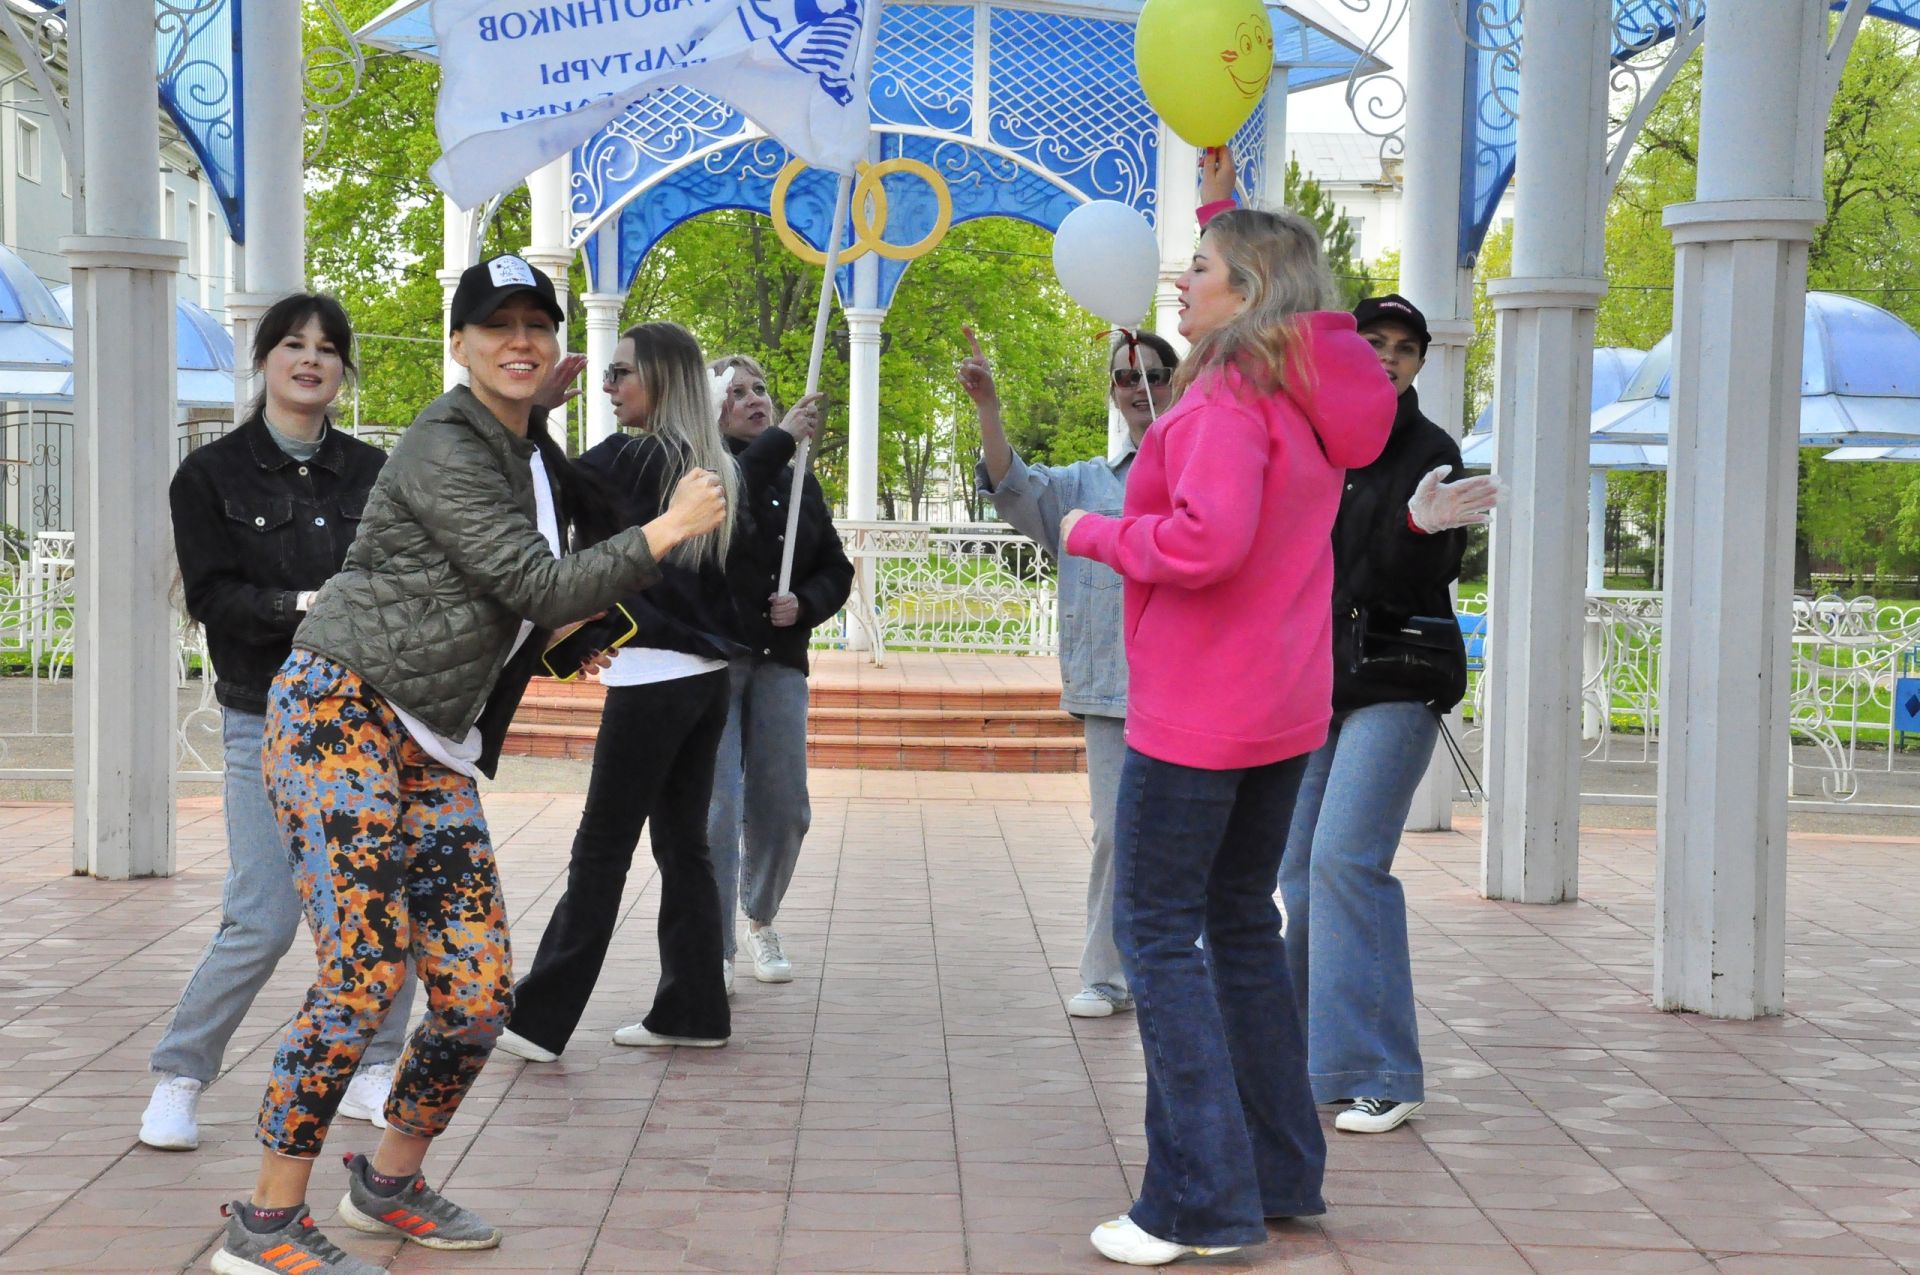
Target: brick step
<point x="977" y="728"/>
<point x="1031" y="755"/>
<point x="994" y="723"/>
<point x="1023" y="755"/>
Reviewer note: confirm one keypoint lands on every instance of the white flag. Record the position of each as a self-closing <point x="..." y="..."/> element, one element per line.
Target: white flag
<point x="521" y="84"/>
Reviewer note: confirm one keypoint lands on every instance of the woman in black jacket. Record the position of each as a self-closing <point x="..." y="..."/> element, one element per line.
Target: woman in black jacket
<point x="760" y="809"/>
<point x="665" y="711"/>
<point x="1398" y="664"/>
<point x="261" y="518"/>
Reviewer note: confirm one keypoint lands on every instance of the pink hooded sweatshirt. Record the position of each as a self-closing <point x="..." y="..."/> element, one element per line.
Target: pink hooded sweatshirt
<point x="1224" y="545"/>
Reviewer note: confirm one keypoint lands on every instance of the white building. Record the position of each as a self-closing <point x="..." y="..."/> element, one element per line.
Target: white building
<point x="1367" y="188"/>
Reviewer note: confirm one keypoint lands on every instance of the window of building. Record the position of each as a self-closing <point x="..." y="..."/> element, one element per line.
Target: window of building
<point x="26" y="151"/>
<point x="196" y="247"/>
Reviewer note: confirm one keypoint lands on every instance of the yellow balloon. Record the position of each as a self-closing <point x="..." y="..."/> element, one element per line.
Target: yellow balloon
<point x="1204" y="64"/>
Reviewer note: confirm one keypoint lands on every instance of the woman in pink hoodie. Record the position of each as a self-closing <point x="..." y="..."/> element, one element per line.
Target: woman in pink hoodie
<point x="1224" y="549"/>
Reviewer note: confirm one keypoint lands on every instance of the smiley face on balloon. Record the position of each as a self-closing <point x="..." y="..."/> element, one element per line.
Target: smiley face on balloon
<point x="1249" y="59"/>
<point x="1204" y="65"/>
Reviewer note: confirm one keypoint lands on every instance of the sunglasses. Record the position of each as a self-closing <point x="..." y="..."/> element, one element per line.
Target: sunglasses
<point x="1128" y="377"/>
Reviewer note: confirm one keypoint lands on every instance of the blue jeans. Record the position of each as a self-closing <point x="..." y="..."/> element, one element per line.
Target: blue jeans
<point x="1100" y="969"/>
<point x="759" y="791"/>
<point x="1232" y="1136"/>
<point x="1346" y="914"/>
<point x="259" y="915"/>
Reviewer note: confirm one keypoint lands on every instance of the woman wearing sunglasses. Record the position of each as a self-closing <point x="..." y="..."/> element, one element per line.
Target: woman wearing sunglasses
<point x="1093" y="669"/>
<point x="667" y="692"/>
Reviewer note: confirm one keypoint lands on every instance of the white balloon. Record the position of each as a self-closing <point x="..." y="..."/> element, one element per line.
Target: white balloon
<point x="1108" y="259"/>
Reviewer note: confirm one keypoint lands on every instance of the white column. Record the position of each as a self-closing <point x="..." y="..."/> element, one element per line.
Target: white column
<point x="1273" y="162"/>
<point x="1543" y="377"/>
<point x="456" y="254"/>
<point x="1740" y="283"/>
<point x="863" y="410"/>
<point x="1177" y="205"/>
<point x="548" y="187"/>
<point x="273" y="261"/>
<point x="123" y="298"/>
<point x="1432" y="278"/>
<point x="603" y="333"/>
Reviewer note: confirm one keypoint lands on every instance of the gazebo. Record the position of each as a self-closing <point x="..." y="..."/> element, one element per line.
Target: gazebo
<point x="1491" y="94"/>
<point x="1022" y="108"/>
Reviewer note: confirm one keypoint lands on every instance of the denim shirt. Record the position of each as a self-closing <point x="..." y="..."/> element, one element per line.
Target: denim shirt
<point x="1093" y="659"/>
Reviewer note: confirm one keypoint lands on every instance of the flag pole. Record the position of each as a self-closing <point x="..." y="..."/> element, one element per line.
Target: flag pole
<point x="842" y="200"/>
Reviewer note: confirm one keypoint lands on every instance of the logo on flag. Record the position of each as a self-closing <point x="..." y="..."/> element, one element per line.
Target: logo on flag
<point x="521" y="84"/>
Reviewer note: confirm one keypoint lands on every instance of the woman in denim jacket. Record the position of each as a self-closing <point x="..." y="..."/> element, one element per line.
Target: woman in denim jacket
<point x="1093" y="667"/>
<point x="261" y="518"/>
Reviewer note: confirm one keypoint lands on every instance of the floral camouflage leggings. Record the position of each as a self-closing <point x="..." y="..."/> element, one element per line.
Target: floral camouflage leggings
<point x="391" y="854"/>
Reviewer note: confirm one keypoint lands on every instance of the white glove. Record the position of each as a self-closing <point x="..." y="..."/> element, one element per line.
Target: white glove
<point x="1438" y="506"/>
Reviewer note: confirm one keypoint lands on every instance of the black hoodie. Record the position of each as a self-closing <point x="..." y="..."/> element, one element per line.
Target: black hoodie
<point x="1381" y="564"/>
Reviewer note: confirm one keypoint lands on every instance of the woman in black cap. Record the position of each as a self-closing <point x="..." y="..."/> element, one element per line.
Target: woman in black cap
<point x="1398" y="664"/>
<point x="397" y="695"/>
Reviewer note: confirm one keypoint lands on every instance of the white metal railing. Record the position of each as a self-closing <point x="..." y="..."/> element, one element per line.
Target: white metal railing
<point x="1849" y="655"/>
<point x="947" y="587"/>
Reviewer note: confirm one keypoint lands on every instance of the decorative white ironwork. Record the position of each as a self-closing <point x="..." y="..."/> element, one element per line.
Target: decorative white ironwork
<point x="947" y="587"/>
<point x="176" y="18"/>
<point x="38" y="49"/>
<point x="1499" y="21"/>
<point x="1653" y="39"/>
<point x="330" y="77"/>
<point x="1377" y="99"/>
<point x="917" y="78"/>
<point x="663" y="127"/>
<point x="1043" y="67"/>
<point x="1621" y="687"/>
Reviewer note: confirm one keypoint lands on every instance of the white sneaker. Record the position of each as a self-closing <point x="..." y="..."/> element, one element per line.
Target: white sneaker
<point x="1374" y="1115"/>
<point x="726" y="974"/>
<point x="367" y="1094"/>
<point x="770" y="964"/>
<point x="638" y="1035"/>
<point x="1121" y="1241"/>
<point x="168" y="1123"/>
<point x="520" y="1047"/>
<point x="1092" y="1004"/>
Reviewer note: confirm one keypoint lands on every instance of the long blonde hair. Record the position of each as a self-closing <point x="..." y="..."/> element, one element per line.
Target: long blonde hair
<point x="1273" y="259"/>
<point x="680" y="415"/>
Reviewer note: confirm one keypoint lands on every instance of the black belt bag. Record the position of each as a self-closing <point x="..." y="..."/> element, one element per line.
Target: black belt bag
<point x="1421" y="656"/>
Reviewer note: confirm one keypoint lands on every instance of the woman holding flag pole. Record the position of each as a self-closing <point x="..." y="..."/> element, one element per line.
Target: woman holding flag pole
<point x="760" y="810"/>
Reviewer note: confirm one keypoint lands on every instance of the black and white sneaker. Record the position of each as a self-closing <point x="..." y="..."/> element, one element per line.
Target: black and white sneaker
<point x="1374" y="1115"/>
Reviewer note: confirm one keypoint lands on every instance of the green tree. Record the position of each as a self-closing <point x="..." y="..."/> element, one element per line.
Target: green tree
<point x="1303" y="194"/>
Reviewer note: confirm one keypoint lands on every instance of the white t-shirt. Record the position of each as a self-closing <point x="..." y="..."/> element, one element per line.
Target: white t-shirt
<point x="463" y="755"/>
<point x="636" y="666"/>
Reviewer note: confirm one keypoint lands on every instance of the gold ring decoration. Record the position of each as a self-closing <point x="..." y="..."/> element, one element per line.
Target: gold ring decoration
<point x="869" y="212"/>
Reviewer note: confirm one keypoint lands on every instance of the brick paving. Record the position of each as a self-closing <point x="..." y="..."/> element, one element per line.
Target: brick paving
<point x="917" y="1101"/>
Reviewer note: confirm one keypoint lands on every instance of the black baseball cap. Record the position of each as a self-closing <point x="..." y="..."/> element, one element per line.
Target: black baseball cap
<point x="483" y="287"/>
<point x="1393" y="308"/>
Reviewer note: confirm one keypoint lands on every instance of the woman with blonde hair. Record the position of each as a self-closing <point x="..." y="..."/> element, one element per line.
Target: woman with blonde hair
<point x="1223" y="546"/>
<point x="666" y="707"/>
<point x="760" y="809"/>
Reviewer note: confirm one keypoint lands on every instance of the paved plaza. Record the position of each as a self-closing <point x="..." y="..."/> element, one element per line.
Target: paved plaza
<point x="917" y="1101"/>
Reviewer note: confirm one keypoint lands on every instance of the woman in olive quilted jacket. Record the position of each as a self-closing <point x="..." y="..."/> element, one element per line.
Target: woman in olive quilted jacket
<point x="374" y="737"/>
